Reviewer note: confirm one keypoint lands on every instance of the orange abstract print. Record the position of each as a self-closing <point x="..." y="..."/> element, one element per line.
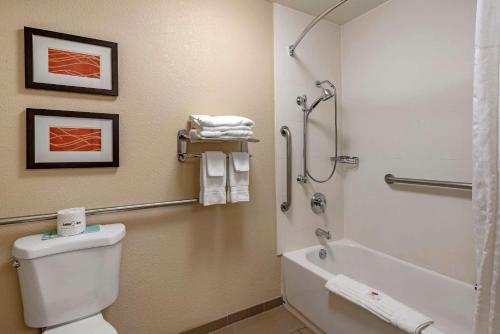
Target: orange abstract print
<point x="75" y="139"/>
<point x="75" y="64"/>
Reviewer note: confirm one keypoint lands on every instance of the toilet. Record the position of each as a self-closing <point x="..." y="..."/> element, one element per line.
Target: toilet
<point x="66" y="282"/>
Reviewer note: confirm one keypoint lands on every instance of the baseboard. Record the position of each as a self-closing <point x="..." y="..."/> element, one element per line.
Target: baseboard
<point x="235" y="317"/>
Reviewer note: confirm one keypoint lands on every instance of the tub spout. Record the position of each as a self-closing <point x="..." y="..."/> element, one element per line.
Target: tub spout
<point x="323" y="233"/>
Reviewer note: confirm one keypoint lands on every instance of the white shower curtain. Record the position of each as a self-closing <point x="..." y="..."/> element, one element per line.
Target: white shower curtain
<point x="486" y="166"/>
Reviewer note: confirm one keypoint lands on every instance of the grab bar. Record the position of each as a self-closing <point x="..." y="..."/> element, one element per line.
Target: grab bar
<point x="285" y="132"/>
<point x="100" y="211"/>
<point x="391" y="179"/>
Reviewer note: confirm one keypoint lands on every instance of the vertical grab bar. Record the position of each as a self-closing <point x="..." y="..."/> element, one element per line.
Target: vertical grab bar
<point x="285" y="132"/>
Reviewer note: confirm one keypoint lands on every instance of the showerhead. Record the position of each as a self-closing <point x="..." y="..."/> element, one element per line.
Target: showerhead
<point x="326" y="93"/>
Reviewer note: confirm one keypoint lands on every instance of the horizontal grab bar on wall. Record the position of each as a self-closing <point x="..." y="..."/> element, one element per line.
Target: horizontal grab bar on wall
<point x="391" y="179"/>
<point x="100" y="211"/>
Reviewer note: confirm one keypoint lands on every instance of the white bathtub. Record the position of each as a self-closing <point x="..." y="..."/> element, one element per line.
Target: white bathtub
<point x="450" y="303"/>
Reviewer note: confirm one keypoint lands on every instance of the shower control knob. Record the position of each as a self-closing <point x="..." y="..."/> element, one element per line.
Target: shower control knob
<point x="318" y="203"/>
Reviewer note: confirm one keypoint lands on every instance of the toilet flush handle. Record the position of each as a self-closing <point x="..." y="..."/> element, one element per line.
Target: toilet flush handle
<point x="15" y="263"/>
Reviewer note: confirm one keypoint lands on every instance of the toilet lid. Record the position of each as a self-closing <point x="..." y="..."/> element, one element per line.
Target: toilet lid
<point x="91" y="325"/>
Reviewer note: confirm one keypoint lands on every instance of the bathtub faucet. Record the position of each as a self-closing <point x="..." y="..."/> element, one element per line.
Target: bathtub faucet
<point x="323" y="233"/>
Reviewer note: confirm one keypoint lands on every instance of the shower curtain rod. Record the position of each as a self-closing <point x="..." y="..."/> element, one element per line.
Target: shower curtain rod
<point x="291" y="48"/>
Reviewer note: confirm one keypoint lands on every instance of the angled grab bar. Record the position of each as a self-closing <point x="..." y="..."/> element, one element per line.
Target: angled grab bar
<point x="391" y="179"/>
<point x="285" y="132"/>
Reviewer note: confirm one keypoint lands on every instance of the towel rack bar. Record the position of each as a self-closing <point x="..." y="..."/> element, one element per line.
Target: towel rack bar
<point x="391" y="179"/>
<point x="99" y="211"/>
<point x="197" y="156"/>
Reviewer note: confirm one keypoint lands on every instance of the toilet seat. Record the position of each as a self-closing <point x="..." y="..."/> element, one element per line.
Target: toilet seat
<point x="91" y="325"/>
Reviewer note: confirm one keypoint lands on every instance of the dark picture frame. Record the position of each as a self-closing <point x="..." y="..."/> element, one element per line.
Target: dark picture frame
<point x="29" y="33"/>
<point x="31" y="138"/>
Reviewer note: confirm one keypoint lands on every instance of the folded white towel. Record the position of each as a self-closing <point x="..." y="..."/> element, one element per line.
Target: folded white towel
<point x="383" y="306"/>
<point x="229" y="133"/>
<point x="205" y="120"/>
<point x="238" y="179"/>
<point x="194" y="134"/>
<point x="221" y="128"/>
<point x="212" y="188"/>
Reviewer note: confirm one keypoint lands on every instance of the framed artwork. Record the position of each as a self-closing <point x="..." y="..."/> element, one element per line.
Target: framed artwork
<point x="71" y="139"/>
<point x="70" y="63"/>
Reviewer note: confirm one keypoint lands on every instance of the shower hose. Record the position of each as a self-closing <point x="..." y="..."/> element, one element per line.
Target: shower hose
<point x="317" y="180"/>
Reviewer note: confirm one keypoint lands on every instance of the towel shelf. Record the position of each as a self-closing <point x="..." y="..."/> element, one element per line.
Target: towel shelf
<point x="183" y="139"/>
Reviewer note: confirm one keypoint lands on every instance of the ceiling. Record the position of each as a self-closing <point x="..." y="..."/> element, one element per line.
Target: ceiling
<point x="341" y="15"/>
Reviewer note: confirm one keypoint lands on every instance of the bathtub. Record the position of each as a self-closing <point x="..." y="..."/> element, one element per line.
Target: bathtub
<point x="450" y="303"/>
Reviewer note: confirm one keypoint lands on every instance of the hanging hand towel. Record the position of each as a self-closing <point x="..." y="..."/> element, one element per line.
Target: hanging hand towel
<point x="205" y="120"/>
<point x="213" y="178"/>
<point x="239" y="177"/>
<point x="383" y="306"/>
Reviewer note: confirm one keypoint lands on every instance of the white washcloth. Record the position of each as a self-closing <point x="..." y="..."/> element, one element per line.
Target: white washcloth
<point x="383" y="306"/>
<point x="216" y="163"/>
<point x="194" y="134"/>
<point x="205" y="120"/>
<point x="212" y="188"/>
<point x="241" y="161"/>
<point x="238" y="180"/>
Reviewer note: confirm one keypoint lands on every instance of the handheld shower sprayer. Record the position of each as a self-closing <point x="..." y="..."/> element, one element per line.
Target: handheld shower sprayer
<point x="328" y="91"/>
<point x="326" y="94"/>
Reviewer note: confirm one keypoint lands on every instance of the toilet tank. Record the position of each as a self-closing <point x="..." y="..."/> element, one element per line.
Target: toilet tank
<point x="68" y="278"/>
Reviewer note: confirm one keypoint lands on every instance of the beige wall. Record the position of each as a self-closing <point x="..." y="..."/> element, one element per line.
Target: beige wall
<point x="185" y="266"/>
<point x="407" y="106"/>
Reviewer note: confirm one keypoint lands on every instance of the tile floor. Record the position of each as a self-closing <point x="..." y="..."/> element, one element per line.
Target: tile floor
<point x="275" y="321"/>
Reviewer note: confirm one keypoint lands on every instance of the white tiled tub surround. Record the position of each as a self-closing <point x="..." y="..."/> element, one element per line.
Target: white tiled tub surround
<point x="407" y="109"/>
<point x="448" y="302"/>
<point x="317" y="58"/>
